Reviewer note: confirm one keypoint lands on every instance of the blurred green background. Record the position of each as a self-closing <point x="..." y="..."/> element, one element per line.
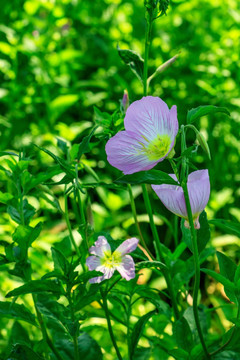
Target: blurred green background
<point x="58" y="59"/>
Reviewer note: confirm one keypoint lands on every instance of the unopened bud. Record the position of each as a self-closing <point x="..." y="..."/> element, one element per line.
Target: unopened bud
<point x="201" y="139"/>
<point x="163" y="67"/>
<point x="125" y="101"/>
<point x="203" y="143"/>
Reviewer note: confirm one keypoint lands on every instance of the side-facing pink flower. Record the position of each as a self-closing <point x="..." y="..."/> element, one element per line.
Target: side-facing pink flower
<point x="105" y="261"/>
<point x="149" y="137"/>
<point x="173" y="198"/>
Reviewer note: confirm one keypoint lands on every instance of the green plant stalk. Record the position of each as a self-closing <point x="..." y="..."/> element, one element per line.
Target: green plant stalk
<point x="110" y="330"/>
<point x="134" y="211"/>
<point x="69" y="226"/>
<point x="75" y="337"/>
<point x="39" y="315"/>
<point x="196" y="266"/>
<point x="128" y="326"/>
<point x="184" y="177"/>
<point x="44" y="331"/>
<point x="144" y="189"/>
<point x="160" y="254"/>
<point x="147" y="47"/>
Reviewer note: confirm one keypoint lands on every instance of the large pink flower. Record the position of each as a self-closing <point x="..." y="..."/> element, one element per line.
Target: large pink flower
<point x="150" y="134"/>
<point x="173" y="198"/>
<point x="105" y="261"/>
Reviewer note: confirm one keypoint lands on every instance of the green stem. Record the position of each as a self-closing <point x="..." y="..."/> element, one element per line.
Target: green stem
<point x="110" y="330"/>
<point x="39" y="315"/>
<point x="134" y="211"/>
<point x="69" y="226"/>
<point x="197" y="268"/>
<point x="129" y="310"/>
<point x="75" y="336"/>
<point x="147" y="47"/>
<point x="44" y="331"/>
<point x="184" y="176"/>
<point x="160" y="254"/>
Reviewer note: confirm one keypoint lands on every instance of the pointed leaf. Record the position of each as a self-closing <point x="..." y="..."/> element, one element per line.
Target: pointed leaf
<point x="37" y="286"/>
<point x="220" y="278"/>
<point x="138" y="330"/>
<point x="229" y="227"/>
<point x="196" y="113"/>
<point x="134" y="60"/>
<point x="227" y="266"/>
<point x="16" y="311"/>
<point x="155" y="177"/>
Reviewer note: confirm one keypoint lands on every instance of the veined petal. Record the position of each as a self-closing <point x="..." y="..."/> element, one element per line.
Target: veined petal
<point x="93" y="262"/>
<point x="172" y="197"/>
<point x="127" y="246"/>
<point x="125" y="151"/>
<point x="148" y="117"/>
<point x="127" y="268"/>
<point x="108" y="273"/>
<point x="101" y="246"/>
<point x="199" y="191"/>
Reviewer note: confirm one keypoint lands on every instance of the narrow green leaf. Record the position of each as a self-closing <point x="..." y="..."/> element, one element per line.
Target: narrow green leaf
<point x="150" y="264"/>
<point x="84" y="145"/>
<point x="37" y="286"/>
<point x="23" y="352"/>
<point x="229" y="227"/>
<point x="220" y="278"/>
<point x="134" y="60"/>
<point x="155" y="177"/>
<point x="183" y="334"/>
<point x="197" y="113"/>
<point x="62" y="163"/>
<point x="5" y="197"/>
<point x="60" y="262"/>
<point x="227" y="266"/>
<point x="16" y="311"/>
<point x="138" y="330"/>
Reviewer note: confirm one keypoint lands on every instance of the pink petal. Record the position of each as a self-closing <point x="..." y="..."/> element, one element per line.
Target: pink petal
<point x="147" y="117"/>
<point x="108" y="273"/>
<point x="93" y="262"/>
<point x="101" y="246"/>
<point x="199" y="190"/>
<point x="125" y="152"/>
<point x="173" y="198"/>
<point x="127" y="246"/>
<point x="127" y="268"/>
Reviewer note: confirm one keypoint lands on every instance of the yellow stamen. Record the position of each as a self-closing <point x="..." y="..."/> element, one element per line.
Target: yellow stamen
<point x="111" y="260"/>
<point x="157" y="148"/>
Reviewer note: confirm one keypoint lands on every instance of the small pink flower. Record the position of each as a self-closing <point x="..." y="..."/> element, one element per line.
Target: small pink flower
<point x="173" y="198"/>
<point x="105" y="261"/>
<point x="149" y="137"/>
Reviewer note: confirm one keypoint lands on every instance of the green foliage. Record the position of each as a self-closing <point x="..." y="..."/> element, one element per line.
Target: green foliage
<point x="203" y="234"/>
<point x="155" y="177"/>
<point x="137" y="331"/>
<point x="62" y="81"/>
<point x="195" y="114"/>
<point x="134" y="60"/>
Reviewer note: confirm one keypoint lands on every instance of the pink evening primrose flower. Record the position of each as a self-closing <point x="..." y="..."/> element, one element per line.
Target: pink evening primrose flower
<point x="173" y="198"/>
<point x="149" y="136"/>
<point x="105" y="261"/>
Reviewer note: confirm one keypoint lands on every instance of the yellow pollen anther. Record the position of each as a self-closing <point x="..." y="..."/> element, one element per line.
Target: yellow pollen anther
<point x="157" y="148"/>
